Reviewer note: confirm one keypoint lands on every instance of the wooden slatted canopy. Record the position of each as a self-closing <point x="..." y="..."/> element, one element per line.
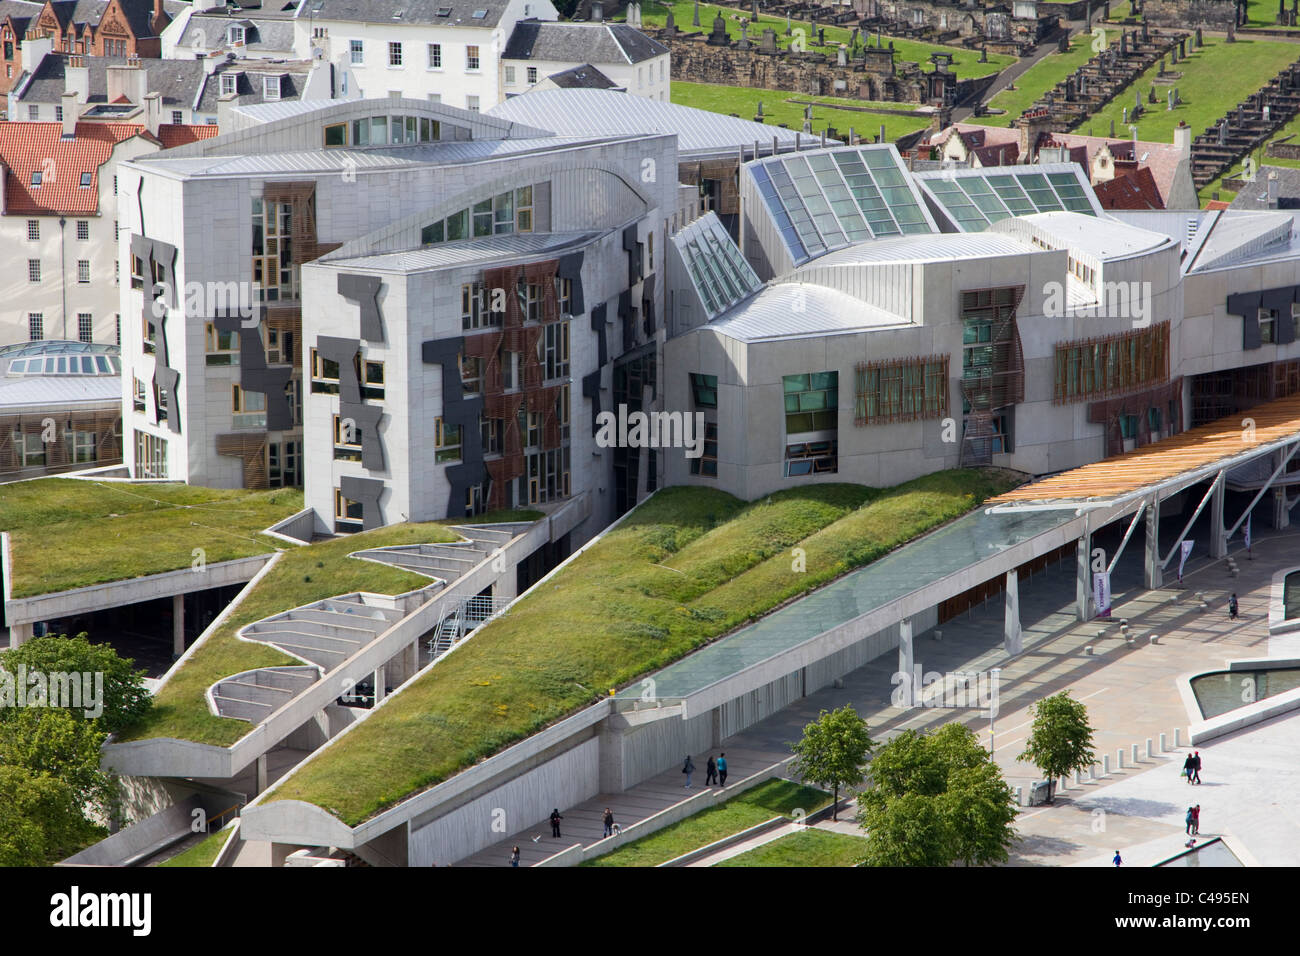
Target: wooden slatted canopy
<point x="1196" y="448"/>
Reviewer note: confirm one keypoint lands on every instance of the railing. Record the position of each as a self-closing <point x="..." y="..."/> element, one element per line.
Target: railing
<point x="212" y="821"/>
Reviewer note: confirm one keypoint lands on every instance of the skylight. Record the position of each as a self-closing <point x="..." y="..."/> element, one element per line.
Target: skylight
<point x="974" y="200"/>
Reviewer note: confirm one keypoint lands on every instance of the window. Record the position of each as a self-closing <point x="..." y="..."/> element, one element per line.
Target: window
<point x="150" y="456"/>
<point x="346" y="510"/>
<point x="35" y="326"/>
<point x="29" y="450"/>
<point x="1295" y="318"/>
<point x="707" y="463"/>
<point x="471" y="58"/>
<point x="336" y="134"/>
<point x="177" y="117"/>
<point x="324" y="374"/>
<point x="33" y="230"/>
<point x="471" y="373"/>
<point x="228" y="81"/>
<point x="509" y="369"/>
<point x="546" y="477"/>
<point x="236" y="34"/>
<point x="33" y="270"/>
<point x="1267" y="326"/>
<point x="901" y="390"/>
<point x="483" y="218"/>
<point x="524" y="209"/>
<point x="435" y="56"/>
<point x="510" y="76"/>
<point x="358" y="55"/>
<point x="394" y="54"/>
<point x="1128" y="426"/>
<point x="249" y="408"/>
<point x="284" y="464"/>
<point x="85" y="327"/>
<point x="554" y="347"/>
<point x="83" y="271"/>
<point x="270" y="87"/>
<point x="82" y="446"/>
<point x="490" y="432"/>
<point x="117" y="329"/>
<point x="279" y="345"/>
<point x="1095" y="368"/>
<point x="532" y="74"/>
<point x="85" y="180"/>
<point x="138" y="397"/>
<point x="147" y="332"/>
<point x="471" y="103"/>
<point x="474" y="308"/>
<point x="83" y="230"/>
<point x="372" y="380"/>
<point x="530" y="300"/>
<point x="33" y="112"/>
<point x="222" y="347"/>
<point x="564" y="295"/>
<point x="347" y="439"/>
<point x="446" y="442"/>
<point x="705" y="390"/>
<point x="36" y="178"/>
<point x="811" y="423"/>
<point x="275" y="275"/>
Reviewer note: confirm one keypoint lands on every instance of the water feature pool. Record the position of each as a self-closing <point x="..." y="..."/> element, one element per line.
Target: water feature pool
<point x="1222" y="691"/>
<point x="1213" y="853"/>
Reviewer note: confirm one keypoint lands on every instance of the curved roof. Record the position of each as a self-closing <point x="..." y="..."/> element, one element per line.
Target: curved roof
<point x="793" y="309"/>
<point x="1106" y="239"/>
<point x="915" y="249"/>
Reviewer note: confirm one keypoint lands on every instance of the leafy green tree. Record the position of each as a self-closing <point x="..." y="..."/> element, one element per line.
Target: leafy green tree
<point x="52" y="741"/>
<point x="125" y="698"/>
<point x="40" y="819"/>
<point x="832" y="751"/>
<point x="935" y="800"/>
<point x="1061" y="739"/>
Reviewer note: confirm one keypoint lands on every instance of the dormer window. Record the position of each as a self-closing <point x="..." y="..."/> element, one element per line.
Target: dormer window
<point x="85" y="179"/>
<point x="480" y="14"/>
<point x="270" y="87"/>
<point x="444" y="11"/>
<point x="236" y="34"/>
<point x="36" y="178"/>
<point x="228" y="83"/>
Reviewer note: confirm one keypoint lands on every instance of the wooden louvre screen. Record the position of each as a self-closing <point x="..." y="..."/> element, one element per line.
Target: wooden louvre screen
<point x="251" y="448"/>
<point x="901" y="390"/>
<point x="1111" y="365"/>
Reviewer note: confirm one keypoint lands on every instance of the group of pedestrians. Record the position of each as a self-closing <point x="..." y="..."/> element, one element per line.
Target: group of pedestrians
<point x="1193" y="820"/>
<point x="1192" y="767"/>
<point x="715" y="771"/>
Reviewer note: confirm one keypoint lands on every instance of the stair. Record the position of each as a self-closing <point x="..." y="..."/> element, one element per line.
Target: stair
<point x="1247" y="128"/>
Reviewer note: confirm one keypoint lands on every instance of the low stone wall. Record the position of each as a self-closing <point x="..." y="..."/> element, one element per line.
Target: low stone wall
<point x="1283" y="150"/>
<point x="1185" y="14"/>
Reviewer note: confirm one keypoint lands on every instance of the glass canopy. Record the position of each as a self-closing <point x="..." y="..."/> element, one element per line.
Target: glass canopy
<point x="718" y="271"/>
<point x="975" y="199"/>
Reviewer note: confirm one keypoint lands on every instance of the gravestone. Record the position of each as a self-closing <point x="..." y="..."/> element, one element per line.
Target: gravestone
<point x="669" y="24"/>
<point x="821" y="36"/>
<point x="1223" y="133"/>
<point x="788" y="31"/>
<point x="767" y="43"/>
<point x="853" y="41"/>
<point x="984" y="54"/>
<point x="1146" y="35"/>
<point x="744" y="36"/>
<point x="1170" y="98"/>
<point x="1112" y="124"/>
<point x="1174" y="57"/>
<point x="719" y="35"/>
<point x="1199" y="41"/>
<point x="754" y="10"/>
<point x="1182" y="48"/>
<point x="1123" y="119"/>
<point x="842" y="56"/>
<point x="695" y="17"/>
<point x="1123" y="43"/>
<point x="1232" y="34"/>
<point x="1162" y="65"/>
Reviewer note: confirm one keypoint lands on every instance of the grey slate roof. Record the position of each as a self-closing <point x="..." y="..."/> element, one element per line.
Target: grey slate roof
<point x="22" y="12"/>
<point x="583" y="42"/>
<point x="272" y="34"/>
<point x="585" y="77"/>
<point x="293" y="79"/>
<point x="412" y="11"/>
<point x="1255" y="195"/>
<point x="177" y="80"/>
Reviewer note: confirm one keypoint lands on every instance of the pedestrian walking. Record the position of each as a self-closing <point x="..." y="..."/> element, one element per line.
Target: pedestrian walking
<point x="609" y="821"/>
<point x="710" y="772"/>
<point x="722" y="770"/>
<point x="1117" y="861"/>
<point x="1232" y="607"/>
<point x="514" y="856"/>
<point x="1189" y="765"/>
<point x="1196" y="820"/>
<point x="1188" y="820"/>
<point x="1196" y="767"/>
<point x="688" y="768"/>
<point x="555" y="822"/>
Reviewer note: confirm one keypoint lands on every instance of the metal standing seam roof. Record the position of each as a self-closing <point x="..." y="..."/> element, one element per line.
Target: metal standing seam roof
<point x="455" y="254"/>
<point x="974" y="199"/>
<point x="717" y="270"/>
<point x="1163" y="460"/>
<point x="1104" y="239"/>
<point x="919" y="249"/>
<point x="826" y="199"/>
<point x="608" y="112"/>
<point x="792" y="309"/>
<point x="51" y="391"/>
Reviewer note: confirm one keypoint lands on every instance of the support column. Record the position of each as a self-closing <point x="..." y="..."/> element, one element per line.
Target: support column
<point x="19" y="634"/>
<point x="261" y="774"/>
<point x="1218" y="538"/>
<point x="1083" y="578"/>
<point x="906" y="656"/>
<point x="381" y="682"/>
<point x="1281" y="516"/>
<point x="178" y="625"/>
<point x="1012" y="636"/>
<point x="1153" y="575"/>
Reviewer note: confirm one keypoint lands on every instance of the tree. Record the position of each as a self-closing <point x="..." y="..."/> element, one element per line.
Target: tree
<point x="935" y="800"/>
<point x="40" y="819"/>
<point x="125" y="698"/>
<point x="1061" y="739"/>
<point x="54" y="742"/>
<point x="832" y="751"/>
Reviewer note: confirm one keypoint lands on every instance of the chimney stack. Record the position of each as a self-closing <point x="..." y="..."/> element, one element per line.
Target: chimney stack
<point x="1273" y="186"/>
<point x="69" y="106"/>
<point x="4" y="208"/>
<point x="597" y="12"/>
<point x="76" y="78"/>
<point x="1183" y="138"/>
<point x="224" y="105"/>
<point x="152" y="111"/>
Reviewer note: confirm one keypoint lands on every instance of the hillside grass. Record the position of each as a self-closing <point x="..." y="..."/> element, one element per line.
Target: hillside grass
<point x="69" y="533"/>
<point x="1036" y="81"/>
<point x="806" y="848"/>
<point x="686" y="567"/>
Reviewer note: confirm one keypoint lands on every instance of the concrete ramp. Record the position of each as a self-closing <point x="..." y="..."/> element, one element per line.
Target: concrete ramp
<point x="140" y="841"/>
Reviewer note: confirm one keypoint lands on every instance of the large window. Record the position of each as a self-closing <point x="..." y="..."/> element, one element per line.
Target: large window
<point x="29" y="450"/>
<point x="901" y="391"/>
<point x="347" y="439"/>
<point x="324" y="374"/>
<point x="248" y="408"/>
<point x="475" y="308"/>
<point x="707" y="463"/>
<point x="554" y="346"/>
<point x="81" y="446"/>
<point x="394" y="54"/>
<point x="811" y="423"/>
<point x="545" y="478"/>
<point x="1096" y="368"/>
<point x="447" y="442"/>
<point x="222" y="347"/>
<point x="150" y="456"/>
<point x="504" y="213"/>
<point x="704" y="389"/>
<point x="275" y="277"/>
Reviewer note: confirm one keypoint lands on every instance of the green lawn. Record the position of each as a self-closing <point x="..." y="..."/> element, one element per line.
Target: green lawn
<point x="68" y="533"/>
<point x="778" y="109"/>
<point x="1215" y="79"/>
<point x="688" y="566"/>
<point x="1291" y="129"/>
<point x="1037" y="80"/>
<point x="767" y="800"/>
<point x="965" y="62"/>
<point x="203" y="853"/>
<point x="302" y="575"/>
<point x="806" y="848"/>
<point x="1262" y="14"/>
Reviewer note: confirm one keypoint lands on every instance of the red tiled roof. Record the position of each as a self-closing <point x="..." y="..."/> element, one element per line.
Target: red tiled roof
<point x="1217" y="204"/>
<point x="1134" y="190"/>
<point x="39" y="147"/>
<point x="173" y="134"/>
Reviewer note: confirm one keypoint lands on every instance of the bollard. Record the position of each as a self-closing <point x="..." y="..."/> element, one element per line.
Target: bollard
<point x="1020" y="799"/>
<point x="938" y="634"/>
<point x="1078" y="777"/>
<point x="1150" y="752"/>
<point x="1178" y="737"/>
<point x="1092" y="771"/>
<point x="1064" y="784"/>
<point x="1135" y="755"/>
<point x="1105" y="765"/>
<point x="1155" y="638"/>
<point x="1120" y="758"/>
<point x="1163" y="748"/>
